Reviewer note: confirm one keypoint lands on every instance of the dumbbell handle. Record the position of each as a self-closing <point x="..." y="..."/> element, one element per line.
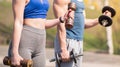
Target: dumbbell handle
<point x="104" y="22"/>
<point x="110" y="9"/>
<point x="25" y="62"/>
<point x="71" y="57"/>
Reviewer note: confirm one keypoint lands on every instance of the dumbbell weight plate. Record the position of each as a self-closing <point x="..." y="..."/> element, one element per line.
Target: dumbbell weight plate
<point x="6" y="61"/>
<point x="23" y="63"/>
<point x="58" y="59"/>
<point x="72" y="6"/>
<point x="105" y="20"/>
<point x="113" y="12"/>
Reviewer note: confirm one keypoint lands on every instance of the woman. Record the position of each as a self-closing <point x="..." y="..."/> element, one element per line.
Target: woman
<point x="29" y="35"/>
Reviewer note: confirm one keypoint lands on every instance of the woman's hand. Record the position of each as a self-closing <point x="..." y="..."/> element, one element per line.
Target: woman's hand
<point x="15" y="60"/>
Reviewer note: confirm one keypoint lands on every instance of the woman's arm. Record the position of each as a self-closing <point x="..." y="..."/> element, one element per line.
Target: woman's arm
<point x="53" y="22"/>
<point x="18" y="11"/>
<point x="60" y="10"/>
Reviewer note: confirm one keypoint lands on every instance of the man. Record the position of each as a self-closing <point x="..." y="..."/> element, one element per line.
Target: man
<point x="68" y="39"/>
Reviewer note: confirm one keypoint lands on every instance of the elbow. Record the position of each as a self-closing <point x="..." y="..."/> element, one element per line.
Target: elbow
<point x="18" y="23"/>
<point x="86" y="27"/>
<point x="90" y="25"/>
<point x="47" y="27"/>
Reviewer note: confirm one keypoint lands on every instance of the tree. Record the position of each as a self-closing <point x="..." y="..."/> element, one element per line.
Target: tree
<point x="109" y="34"/>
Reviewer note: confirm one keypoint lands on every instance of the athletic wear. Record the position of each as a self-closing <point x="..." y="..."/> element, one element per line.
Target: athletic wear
<point x="36" y="9"/>
<point x="32" y="42"/>
<point x="32" y="45"/>
<point x="71" y="44"/>
<point x="78" y="28"/>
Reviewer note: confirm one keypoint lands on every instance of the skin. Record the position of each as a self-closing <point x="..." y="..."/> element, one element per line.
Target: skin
<point x="60" y="8"/>
<point x="61" y="30"/>
<point x="18" y="12"/>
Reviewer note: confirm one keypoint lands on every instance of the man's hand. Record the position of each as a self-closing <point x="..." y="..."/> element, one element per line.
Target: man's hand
<point x="107" y="13"/>
<point x="65" y="55"/>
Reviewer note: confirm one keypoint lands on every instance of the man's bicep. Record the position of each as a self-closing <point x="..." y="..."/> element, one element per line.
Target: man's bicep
<point x="60" y="7"/>
<point x="57" y="10"/>
<point x="61" y="2"/>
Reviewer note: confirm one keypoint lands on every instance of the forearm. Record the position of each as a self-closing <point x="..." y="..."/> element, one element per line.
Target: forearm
<point x="90" y="23"/>
<point x="51" y="23"/>
<point x="16" y="37"/>
<point x="60" y="8"/>
<point x="18" y="11"/>
<point x="62" y="36"/>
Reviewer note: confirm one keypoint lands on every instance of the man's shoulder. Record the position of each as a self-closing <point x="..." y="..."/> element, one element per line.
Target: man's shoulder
<point x="80" y="0"/>
<point x="61" y="2"/>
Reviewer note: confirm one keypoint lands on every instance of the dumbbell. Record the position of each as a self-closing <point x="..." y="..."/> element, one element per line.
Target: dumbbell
<point x="23" y="63"/>
<point x="70" y="20"/>
<point x="105" y="20"/>
<point x="73" y="56"/>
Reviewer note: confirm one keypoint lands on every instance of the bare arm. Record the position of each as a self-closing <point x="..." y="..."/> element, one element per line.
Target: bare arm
<point x="90" y="22"/>
<point x="60" y="8"/>
<point x="93" y="22"/>
<point x="18" y="9"/>
<point x="53" y="22"/>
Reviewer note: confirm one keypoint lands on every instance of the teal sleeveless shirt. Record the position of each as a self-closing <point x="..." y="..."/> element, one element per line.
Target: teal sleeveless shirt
<point x="78" y="29"/>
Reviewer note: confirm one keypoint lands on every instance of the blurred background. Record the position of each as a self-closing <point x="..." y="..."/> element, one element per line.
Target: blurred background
<point x="95" y="39"/>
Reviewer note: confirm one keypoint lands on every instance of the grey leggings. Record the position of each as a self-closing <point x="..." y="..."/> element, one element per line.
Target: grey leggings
<point x="32" y="45"/>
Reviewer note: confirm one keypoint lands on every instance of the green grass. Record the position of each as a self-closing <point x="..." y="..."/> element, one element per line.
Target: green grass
<point x="92" y="42"/>
<point x="6" y="21"/>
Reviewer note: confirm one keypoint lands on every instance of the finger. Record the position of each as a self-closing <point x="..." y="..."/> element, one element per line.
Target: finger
<point x="65" y="58"/>
<point x="15" y="66"/>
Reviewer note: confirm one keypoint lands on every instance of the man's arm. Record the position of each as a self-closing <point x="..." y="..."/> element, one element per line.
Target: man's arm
<point x="93" y="22"/>
<point x="60" y="8"/>
<point x="90" y="22"/>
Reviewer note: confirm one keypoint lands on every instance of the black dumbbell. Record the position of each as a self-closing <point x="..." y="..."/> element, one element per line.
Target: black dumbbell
<point x="73" y="56"/>
<point x="105" y="20"/>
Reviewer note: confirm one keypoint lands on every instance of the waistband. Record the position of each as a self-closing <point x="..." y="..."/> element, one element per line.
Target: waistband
<point x="34" y="30"/>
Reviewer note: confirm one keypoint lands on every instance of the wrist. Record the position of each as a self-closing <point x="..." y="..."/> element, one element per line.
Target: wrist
<point x="61" y="19"/>
<point x="96" y="20"/>
<point x="63" y="49"/>
<point x="15" y="52"/>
